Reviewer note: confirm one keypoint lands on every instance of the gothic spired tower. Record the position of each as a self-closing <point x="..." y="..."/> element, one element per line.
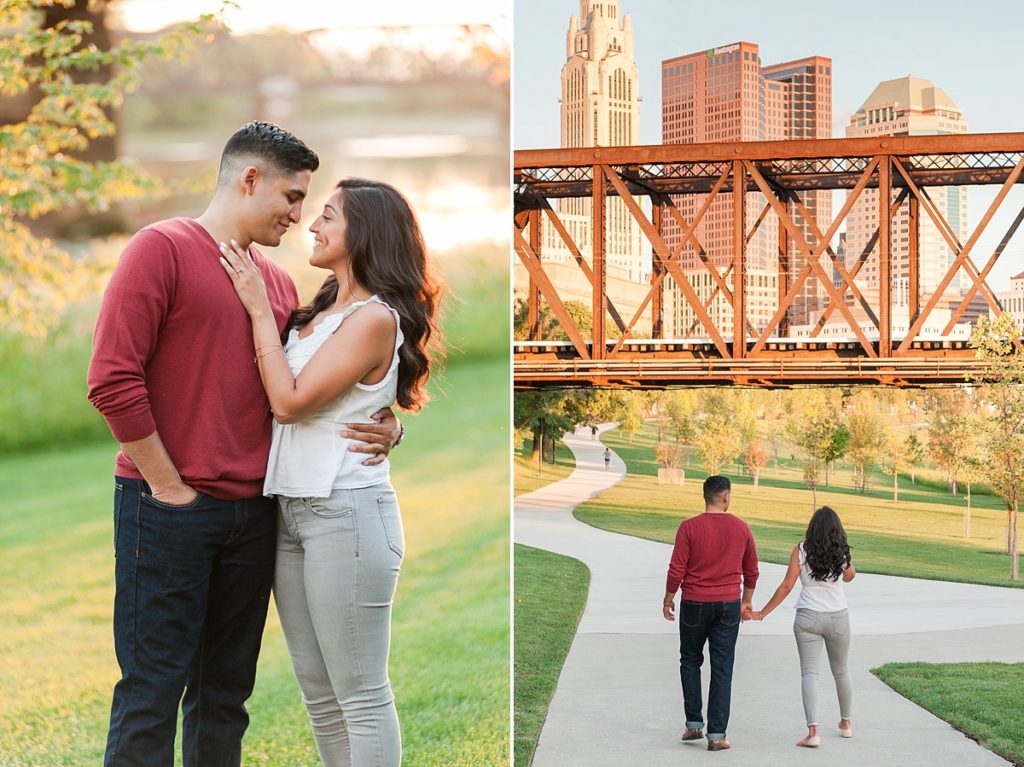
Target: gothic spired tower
<point x="601" y="107"/>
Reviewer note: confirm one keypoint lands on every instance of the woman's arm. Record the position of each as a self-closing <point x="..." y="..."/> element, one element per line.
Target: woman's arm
<point x="849" y="573"/>
<point x="363" y="345"/>
<point x="788" y="581"/>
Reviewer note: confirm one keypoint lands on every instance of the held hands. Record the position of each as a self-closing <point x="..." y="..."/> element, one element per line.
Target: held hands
<point x="246" y="278"/>
<point x="749" y="614"/>
<point x="668" y="609"/>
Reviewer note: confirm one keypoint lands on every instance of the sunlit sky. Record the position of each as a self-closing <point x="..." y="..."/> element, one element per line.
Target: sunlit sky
<point x="257" y="15"/>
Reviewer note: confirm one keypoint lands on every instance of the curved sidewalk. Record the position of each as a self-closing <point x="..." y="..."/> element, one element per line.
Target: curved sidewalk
<point x="618" y="702"/>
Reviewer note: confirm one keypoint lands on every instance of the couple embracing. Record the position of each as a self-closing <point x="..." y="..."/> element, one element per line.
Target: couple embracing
<point x="714" y="554"/>
<point x="254" y="436"/>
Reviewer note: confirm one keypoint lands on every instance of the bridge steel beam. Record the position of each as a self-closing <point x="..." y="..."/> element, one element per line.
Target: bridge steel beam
<point x="901" y="168"/>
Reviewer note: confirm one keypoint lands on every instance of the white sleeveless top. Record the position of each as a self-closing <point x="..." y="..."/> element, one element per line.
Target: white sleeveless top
<point x="823" y="596"/>
<point x="308" y="459"/>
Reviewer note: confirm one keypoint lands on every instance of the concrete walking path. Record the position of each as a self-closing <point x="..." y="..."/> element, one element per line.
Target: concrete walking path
<point x="618" y="702"/>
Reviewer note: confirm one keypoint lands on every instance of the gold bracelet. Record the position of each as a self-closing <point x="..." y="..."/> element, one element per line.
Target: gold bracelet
<point x="258" y="357"/>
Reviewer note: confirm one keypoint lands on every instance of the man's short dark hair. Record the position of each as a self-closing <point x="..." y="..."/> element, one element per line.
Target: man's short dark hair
<point x="270" y="146"/>
<point x="714" y="486"/>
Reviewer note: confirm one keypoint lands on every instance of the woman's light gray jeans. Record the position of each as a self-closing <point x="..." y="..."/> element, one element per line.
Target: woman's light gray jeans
<point x="337" y="568"/>
<point x="812" y="629"/>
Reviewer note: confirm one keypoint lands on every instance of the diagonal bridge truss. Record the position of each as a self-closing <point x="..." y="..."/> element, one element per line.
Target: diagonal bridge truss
<point x="901" y="168"/>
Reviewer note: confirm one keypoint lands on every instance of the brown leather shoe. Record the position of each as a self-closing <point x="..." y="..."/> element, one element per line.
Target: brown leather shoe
<point x="718" y="745"/>
<point x="692" y="733"/>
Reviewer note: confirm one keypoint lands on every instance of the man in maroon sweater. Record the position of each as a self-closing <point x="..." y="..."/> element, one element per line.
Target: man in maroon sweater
<point x="173" y="374"/>
<point x="714" y="552"/>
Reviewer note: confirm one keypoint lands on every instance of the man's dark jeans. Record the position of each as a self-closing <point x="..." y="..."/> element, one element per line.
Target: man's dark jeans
<point x="193" y="585"/>
<point x="717" y="624"/>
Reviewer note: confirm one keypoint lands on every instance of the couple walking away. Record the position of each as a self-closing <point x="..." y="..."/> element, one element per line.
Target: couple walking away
<point x="714" y="554"/>
<point x="245" y="422"/>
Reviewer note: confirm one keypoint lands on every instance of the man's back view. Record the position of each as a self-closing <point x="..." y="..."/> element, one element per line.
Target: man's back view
<point x="714" y="553"/>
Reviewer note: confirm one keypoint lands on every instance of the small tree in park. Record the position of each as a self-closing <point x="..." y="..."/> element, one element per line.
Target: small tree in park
<point x="949" y="433"/>
<point x="972" y="472"/>
<point x="716" y="434"/>
<point x="631" y="418"/>
<point x="915" y="452"/>
<point x="813" y="432"/>
<point x="894" y="460"/>
<point x="756" y="459"/>
<point x="867" y="438"/>
<point x="837" y="447"/>
<point x="995" y="344"/>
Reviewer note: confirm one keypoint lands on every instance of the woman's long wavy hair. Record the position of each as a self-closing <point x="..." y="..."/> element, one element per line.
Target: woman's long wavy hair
<point x="825" y="546"/>
<point x="388" y="257"/>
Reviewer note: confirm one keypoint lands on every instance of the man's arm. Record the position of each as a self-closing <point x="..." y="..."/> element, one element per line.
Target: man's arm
<point x="378" y="438"/>
<point x="750" y="574"/>
<point x="135" y="305"/>
<point x="150" y="457"/>
<point x="676" y="573"/>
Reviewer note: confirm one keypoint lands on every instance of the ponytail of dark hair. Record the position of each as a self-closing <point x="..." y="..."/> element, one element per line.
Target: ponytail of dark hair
<point x="825" y="546"/>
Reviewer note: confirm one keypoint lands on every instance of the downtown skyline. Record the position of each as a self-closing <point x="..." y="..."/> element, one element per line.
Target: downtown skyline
<point x="967" y="56"/>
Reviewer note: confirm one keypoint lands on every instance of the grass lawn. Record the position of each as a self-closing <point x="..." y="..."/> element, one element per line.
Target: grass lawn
<point x="528" y="477"/>
<point x="450" y="646"/>
<point x="921" y="536"/>
<point x="551" y="591"/>
<point x="982" y="700"/>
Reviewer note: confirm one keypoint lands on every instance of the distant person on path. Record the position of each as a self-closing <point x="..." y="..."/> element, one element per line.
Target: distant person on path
<point x="173" y="373"/>
<point x="714" y="555"/>
<point x="822" y="563"/>
<point x="607" y="457"/>
<point x="357" y="347"/>
<point x="593" y="432"/>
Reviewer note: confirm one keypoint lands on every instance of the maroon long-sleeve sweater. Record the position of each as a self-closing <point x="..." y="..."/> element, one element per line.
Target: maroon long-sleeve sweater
<point x="714" y="554"/>
<point x="173" y="353"/>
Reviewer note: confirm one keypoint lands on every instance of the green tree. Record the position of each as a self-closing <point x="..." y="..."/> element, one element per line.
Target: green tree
<point x="836" y="448"/>
<point x="949" y="433"/>
<point x="41" y="157"/>
<point x="756" y="459"/>
<point x="679" y="406"/>
<point x="1003" y="390"/>
<point x="867" y="438"/>
<point x="973" y="471"/>
<point x="915" y="451"/>
<point x="545" y="414"/>
<point x="717" y="436"/>
<point x="812" y="426"/>
<point x="551" y="329"/>
<point x="632" y="418"/>
<point x="894" y="461"/>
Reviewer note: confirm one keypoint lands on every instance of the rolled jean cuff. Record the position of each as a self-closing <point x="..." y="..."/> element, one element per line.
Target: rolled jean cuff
<point x="715" y="736"/>
<point x="694" y="725"/>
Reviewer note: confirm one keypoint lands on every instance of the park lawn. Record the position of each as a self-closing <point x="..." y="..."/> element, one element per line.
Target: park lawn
<point x="920" y="537"/>
<point x="529" y="477"/>
<point x="550" y="593"/>
<point x="450" y="646"/>
<point x="981" y="700"/>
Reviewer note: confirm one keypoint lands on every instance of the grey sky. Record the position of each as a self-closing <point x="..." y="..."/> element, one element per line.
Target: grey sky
<point x="971" y="50"/>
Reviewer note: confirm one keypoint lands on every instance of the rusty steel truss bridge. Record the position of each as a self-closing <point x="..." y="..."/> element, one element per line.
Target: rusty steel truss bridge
<point x="902" y="168"/>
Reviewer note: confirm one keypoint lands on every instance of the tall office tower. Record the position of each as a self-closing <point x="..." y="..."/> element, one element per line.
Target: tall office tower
<point x="907" y="106"/>
<point x="724" y="95"/>
<point x="600" y="106"/>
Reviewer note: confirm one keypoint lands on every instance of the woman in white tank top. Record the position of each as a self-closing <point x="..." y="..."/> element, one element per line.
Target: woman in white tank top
<point x="359" y="346"/>
<point x="822" y="563"/>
